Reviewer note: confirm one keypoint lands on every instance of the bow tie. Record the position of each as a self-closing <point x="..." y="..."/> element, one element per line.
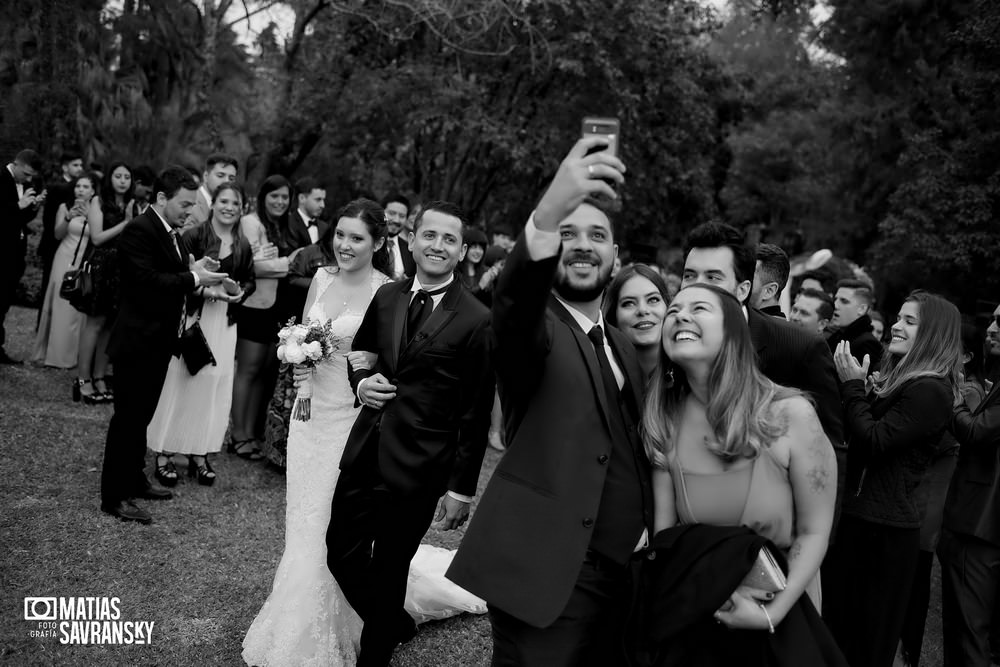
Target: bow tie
<point x="311" y="222"/>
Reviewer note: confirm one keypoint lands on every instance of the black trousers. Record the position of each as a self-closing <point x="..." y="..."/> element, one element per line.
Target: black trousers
<point x="970" y="572"/>
<point x="590" y="631"/>
<point x="869" y="575"/>
<point x="912" y="635"/>
<point x="372" y="537"/>
<point x="138" y="382"/>
<point x="11" y="270"/>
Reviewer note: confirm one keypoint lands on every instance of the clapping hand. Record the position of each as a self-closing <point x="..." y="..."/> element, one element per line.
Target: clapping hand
<point x="848" y="367"/>
<point x="218" y="293"/>
<point x="580" y="176"/>
<point x="205" y="268"/>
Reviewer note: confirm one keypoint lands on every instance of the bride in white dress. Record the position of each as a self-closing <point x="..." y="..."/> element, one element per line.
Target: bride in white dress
<point x="306" y="620"/>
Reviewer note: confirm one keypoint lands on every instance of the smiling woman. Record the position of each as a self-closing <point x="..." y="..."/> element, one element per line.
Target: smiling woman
<point x="636" y="302"/>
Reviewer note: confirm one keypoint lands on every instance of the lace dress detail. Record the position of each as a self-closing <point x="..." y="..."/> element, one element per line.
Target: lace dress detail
<point x="306" y="619"/>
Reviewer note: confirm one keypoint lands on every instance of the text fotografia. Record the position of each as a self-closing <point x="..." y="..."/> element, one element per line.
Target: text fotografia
<point x="84" y="620"/>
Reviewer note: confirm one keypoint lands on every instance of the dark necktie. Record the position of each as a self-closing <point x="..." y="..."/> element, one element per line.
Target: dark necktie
<point x="177" y="246"/>
<point x="421" y="307"/>
<point x="391" y="247"/>
<point x="611" y="390"/>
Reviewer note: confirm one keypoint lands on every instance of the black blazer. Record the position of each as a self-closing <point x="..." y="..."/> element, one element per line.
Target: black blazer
<point x="299" y="233"/>
<point x="59" y="192"/>
<point x="792" y="357"/>
<point x="432" y="436"/>
<point x="524" y="546"/>
<point x="154" y="283"/>
<point x="863" y="342"/>
<point x="409" y="266"/>
<point x="13" y="220"/>
<point x="973" y="504"/>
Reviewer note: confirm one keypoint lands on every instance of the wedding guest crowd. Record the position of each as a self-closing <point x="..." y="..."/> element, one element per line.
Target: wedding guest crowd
<point x="648" y="428"/>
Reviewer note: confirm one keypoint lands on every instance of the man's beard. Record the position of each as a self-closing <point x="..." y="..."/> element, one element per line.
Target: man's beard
<point x="577" y="294"/>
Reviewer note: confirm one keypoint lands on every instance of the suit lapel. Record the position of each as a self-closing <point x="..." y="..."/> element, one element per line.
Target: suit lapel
<point x="589" y="355"/>
<point x="439" y="317"/>
<point x="164" y="238"/>
<point x="758" y="334"/>
<point x="399" y="319"/>
<point x="634" y="383"/>
<point x="991" y="397"/>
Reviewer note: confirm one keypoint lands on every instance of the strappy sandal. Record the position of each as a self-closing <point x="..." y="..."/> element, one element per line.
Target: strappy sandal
<point x="246" y="449"/>
<point x="198" y="467"/>
<point x="166" y="472"/>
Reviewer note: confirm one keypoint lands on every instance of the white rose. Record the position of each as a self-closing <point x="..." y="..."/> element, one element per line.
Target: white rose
<point x="313" y="350"/>
<point x="281" y="354"/>
<point x="300" y="332"/>
<point x="294" y="353"/>
<point x="284" y="334"/>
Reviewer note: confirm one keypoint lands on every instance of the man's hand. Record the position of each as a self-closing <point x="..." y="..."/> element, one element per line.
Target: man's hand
<point x="205" y="269"/>
<point x="28" y="199"/>
<point x="361" y="360"/>
<point x="376" y="391"/>
<point x="451" y="514"/>
<point x="579" y="176"/>
<point x="217" y="293"/>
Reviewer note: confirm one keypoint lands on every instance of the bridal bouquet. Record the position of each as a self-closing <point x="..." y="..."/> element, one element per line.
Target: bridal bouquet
<point x="306" y="344"/>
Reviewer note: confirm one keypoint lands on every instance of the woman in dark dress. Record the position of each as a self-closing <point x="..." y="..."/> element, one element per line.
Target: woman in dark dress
<point x="279" y="411"/>
<point x="893" y="433"/>
<point x="106" y="219"/>
<point x="261" y="316"/>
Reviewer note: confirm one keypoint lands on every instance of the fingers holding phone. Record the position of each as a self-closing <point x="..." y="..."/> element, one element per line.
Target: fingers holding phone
<point x="583" y="173"/>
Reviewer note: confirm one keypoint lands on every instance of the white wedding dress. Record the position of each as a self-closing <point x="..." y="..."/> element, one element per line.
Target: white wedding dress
<point x="306" y="620"/>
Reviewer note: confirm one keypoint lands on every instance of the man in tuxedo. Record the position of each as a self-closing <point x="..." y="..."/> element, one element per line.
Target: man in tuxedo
<point x="715" y="254"/>
<point x="19" y="202"/>
<point x="565" y="518"/>
<point x="156" y="275"/>
<point x="60" y="191"/>
<point x="219" y="168"/>
<point x="397" y="209"/>
<point x="421" y="433"/>
<point x="304" y="223"/>
<point x="969" y="549"/>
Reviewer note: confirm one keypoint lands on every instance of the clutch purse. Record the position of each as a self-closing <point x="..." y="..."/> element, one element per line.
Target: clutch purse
<point x="766" y="574"/>
<point x="194" y="349"/>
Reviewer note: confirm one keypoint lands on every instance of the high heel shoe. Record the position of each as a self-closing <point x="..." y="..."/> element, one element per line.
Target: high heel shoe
<point x="93" y="398"/>
<point x="104" y="395"/>
<point x="166" y="472"/>
<point x="198" y="467"/>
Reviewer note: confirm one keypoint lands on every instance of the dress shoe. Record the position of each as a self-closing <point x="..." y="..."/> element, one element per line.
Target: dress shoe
<point x="10" y="361"/>
<point x="153" y="492"/>
<point x="126" y="510"/>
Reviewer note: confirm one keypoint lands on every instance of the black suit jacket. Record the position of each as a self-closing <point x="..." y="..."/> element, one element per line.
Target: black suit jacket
<point x="863" y="342"/>
<point x="154" y="282"/>
<point x="432" y="436"/>
<point x="13" y="220"/>
<point x="973" y="504"/>
<point x="793" y="357"/>
<point x="299" y="233"/>
<point x="524" y="547"/>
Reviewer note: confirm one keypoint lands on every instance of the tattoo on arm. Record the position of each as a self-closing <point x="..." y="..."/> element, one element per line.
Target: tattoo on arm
<point x="818" y="478"/>
<point x="795" y="551"/>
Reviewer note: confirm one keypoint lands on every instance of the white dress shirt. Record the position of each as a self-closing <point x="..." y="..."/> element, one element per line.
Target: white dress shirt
<point x="313" y="229"/>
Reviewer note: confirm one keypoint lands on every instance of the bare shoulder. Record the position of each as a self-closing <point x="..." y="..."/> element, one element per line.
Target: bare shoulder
<point x="796" y="411"/>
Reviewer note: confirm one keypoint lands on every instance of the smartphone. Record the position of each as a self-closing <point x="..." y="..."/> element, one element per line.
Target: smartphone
<point x="608" y="128"/>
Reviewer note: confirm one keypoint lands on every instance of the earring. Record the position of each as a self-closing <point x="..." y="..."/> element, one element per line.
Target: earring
<point x="670" y="376"/>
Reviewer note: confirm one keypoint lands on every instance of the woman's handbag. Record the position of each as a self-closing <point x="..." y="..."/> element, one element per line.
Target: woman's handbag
<point x="77" y="285"/>
<point x="193" y="347"/>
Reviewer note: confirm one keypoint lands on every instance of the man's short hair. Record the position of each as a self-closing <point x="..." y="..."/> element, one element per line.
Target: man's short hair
<point x="719" y="235"/>
<point x="221" y="158"/>
<point x="173" y="179"/>
<point x="774" y="266"/>
<point x="825" y="309"/>
<point x="143" y="174"/>
<point x="30" y="158"/>
<point x="70" y="156"/>
<point x="306" y="185"/>
<point x="445" y="207"/>
<point x="862" y="290"/>
<point x="398" y="198"/>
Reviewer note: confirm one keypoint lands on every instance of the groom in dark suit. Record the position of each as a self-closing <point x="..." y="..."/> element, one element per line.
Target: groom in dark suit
<point x="156" y="275"/>
<point x="421" y="433"/>
<point x="565" y="518"/>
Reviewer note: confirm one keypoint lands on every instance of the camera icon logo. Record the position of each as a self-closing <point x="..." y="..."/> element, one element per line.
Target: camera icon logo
<point x="40" y="609"/>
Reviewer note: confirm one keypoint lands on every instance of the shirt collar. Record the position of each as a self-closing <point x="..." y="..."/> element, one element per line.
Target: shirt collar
<point x="417" y="287"/>
<point x="165" y="224"/>
<point x="582" y="320"/>
<point x="204" y="193"/>
<point x="305" y="218"/>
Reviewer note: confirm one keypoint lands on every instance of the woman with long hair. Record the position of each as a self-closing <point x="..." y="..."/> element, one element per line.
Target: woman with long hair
<point x="106" y="219"/>
<point x="636" y="303"/>
<point x="471" y="269"/>
<point x="261" y="316"/>
<point x="893" y="432"/>
<point x="58" y="339"/>
<point x="729" y="448"/>
<point x="193" y="411"/>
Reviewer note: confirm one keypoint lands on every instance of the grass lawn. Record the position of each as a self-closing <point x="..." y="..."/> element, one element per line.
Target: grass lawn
<point x="200" y="572"/>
